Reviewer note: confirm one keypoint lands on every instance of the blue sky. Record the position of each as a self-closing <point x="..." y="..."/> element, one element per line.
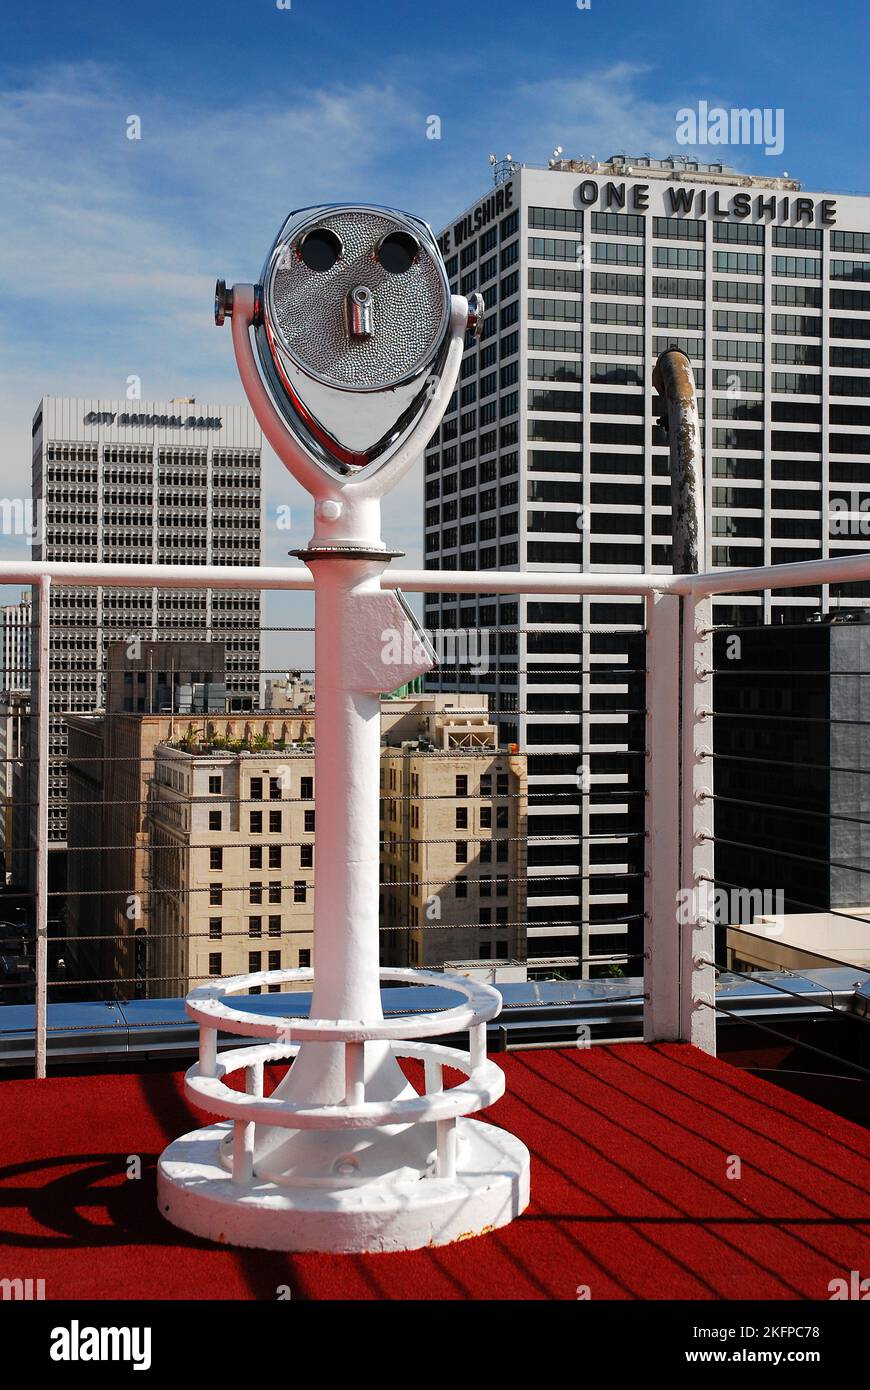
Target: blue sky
<point x="109" y="247"/>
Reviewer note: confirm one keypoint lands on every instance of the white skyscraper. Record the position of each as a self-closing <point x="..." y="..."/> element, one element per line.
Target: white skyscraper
<point x="550" y="458"/>
<point x="15" y="638"/>
<point x="152" y="483"/>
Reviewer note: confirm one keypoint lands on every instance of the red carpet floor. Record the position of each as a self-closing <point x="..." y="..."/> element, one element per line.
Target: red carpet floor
<point x="630" y="1145"/>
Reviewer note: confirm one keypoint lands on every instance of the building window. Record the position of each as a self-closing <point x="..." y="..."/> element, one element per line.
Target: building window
<point x="214" y="785"/>
<point x="215" y="857"/>
<point x="274" y="856"/>
<point x="275" y="925"/>
<point x="215" y="895"/>
<point x="214" y="962"/>
<point x="275" y="891"/>
<point x="309" y="822"/>
<point x="802" y="267"/>
<point x="631" y="314"/>
<point x="501" y="784"/>
<point x="556" y="219"/>
<point x="305" y="959"/>
<point x="255" y="893"/>
<point x="306" y="789"/>
<point x="798" y="236"/>
<point x="274" y="788"/>
<point x="214" y="820"/>
<point x="255" y="961"/>
<point x="461" y="852"/>
<point x="739" y="231"/>
<point x="274" y="822"/>
<point x="274" y="958"/>
<point x="255" y="926"/>
<point x="255" y="857"/>
<point x="461" y="885"/>
<point x="736" y="262"/>
<point x="617" y="223"/>
<point x="679" y="228"/>
<point x="300" y="891"/>
<point x="215" y="929"/>
<point x="848" y="241"/>
<point x="615" y="344"/>
<point x="462" y="786"/>
<point x="554" y="249"/>
<point x="256" y="793"/>
<point x="462" y="818"/>
<point x="256" y="822"/>
<point x="306" y="856"/>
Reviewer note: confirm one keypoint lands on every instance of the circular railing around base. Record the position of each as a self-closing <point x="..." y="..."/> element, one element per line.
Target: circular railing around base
<point x="206" y="1086"/>
<point x="206" y="1007"/>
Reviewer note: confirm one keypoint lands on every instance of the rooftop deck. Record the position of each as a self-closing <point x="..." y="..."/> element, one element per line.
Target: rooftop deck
<point x="632" y="1146"/>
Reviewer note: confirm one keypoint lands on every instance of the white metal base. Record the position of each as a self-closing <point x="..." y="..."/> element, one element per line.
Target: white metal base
<point x="489" y="1189"/>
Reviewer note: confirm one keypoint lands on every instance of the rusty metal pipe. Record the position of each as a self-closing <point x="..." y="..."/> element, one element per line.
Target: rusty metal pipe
<point x="674" y="380"/>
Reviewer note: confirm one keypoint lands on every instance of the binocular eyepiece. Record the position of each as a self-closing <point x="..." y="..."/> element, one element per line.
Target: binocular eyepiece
<point x="352" y="320"/>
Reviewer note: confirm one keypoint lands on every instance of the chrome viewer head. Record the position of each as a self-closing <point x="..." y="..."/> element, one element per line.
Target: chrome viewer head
<point x="352" y="323"/>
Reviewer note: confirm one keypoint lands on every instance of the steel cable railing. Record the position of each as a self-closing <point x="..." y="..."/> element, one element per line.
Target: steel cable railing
<point x="661" y="807"/>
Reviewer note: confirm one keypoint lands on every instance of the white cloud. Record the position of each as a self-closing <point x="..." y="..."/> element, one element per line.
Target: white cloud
<point x="109" y="247"/>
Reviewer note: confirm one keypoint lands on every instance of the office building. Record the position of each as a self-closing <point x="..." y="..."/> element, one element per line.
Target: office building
<point x="14" y="724"/>
<point x="15" y="624"/>
<point x="453" y="838"/>
<point x="293" y="691"/>
<point x="792" y="757"/>
<point x="550" y="458"/>
<point x="107" y="906"/>
<point x="176" y="483"/>
<point x="231" y="833"/>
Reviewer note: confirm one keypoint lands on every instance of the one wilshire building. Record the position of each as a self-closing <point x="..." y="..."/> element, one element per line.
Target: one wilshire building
<point x="136" y="482"/>
<point x="550" y="458"/>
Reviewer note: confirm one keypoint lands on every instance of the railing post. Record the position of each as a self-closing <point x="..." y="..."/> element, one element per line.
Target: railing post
<point x="661" y="1015"/>
<point x="697" y="935"/>
<point x="40" y="752"/>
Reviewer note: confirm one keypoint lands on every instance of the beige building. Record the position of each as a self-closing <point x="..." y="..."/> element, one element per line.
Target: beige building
<point x="453" y="831"/>
<point x="232" y="859"/>
<point x="153" y="691"/>
<point x="290" y="692"/>
<point x="802" y="941"/>
<point x="192" y="839"/>
<point x="111" y="897"/>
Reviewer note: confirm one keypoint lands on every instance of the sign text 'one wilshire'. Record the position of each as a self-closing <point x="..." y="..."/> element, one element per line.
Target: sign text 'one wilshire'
<point x="678" y="200"/>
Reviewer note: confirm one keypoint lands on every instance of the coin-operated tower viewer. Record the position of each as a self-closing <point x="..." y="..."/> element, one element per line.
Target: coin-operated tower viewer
<point x="348" y="349"/>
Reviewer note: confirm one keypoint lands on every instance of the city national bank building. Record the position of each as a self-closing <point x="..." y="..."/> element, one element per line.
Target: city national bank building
<point x="136" y="482"/>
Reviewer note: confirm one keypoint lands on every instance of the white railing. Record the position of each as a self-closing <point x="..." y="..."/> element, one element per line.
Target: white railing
<point x="680" y="976"/>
